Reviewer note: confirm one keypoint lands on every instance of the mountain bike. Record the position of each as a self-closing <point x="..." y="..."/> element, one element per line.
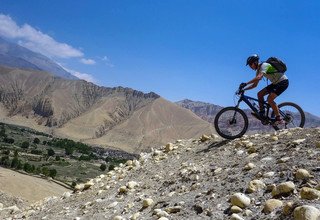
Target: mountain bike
<point x="232" y="122"/>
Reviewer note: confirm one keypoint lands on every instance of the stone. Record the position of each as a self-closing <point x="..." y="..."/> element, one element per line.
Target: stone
<point x="306" y="212"/>
<point x="283" y="189"/>
<point x="309" y="193"/>
<point x="235" y="209"/>
<point x="160" y="213"/>
<point x="173" y="209"/>
<point x="135" y="216"/>
<point x="249" y="166"/>
<point x="123" y="189"/>
<point x="298" y="141"/>
<point x="240" y="200"/>
<point x="288" y="208"/>
<point x="255" y="185"/>
<point x="268" y="174"/>
<point x="118" y="217"/>
<point x="163" y="218"/>
<point x="132" y="184"/>
<point x="247" y="212"/>
<point x="169" y="147"/>
<point x="318" y="144"/>
<point x="274" y="138"/>
<point x="66" y="195"/>
<point x="271" y="205"/>
<point x="204" y="138"/>
<point x="302" y="174"/>
<point x="235" y="217"/>
<point x="147" y="202"/>
<point x="79" y="187"/>
<point x="88" y="185"/>
<point x="1" y="205"/>
<point x="112" y="205"/>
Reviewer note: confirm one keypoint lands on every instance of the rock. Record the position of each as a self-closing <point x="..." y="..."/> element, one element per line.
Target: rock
<point x="235" y="209"/>
<point x="66" y="195"/>
<point x="271" y="205"/>
<point x="132" y="184"/>
<point x="268" y="174"/>
<point x="112" y="205"/>
<point x="240" y="200"/>
<point x="169" y="147"/>
<point x="283" y="160"/>
<point x="298" y="141"/>
<point x="163" y="218"/>
<point x="248" y="213"/>
<point x="123" y="189"/>
<point x="283" y="189"/>
<point x="318" y="144"/>
<point x="306" y="212"/>
<point x="135" y="216"/>
<point x="204" y="138"/>
<point x="173" y="209"/>
<point x="255" y="185"/>
<point x="288" y="208"/>
<point x="309" y="193"/>
<point x="302" y="174"/>
<point x="1" y="205"/>
<point x="118" y="217"/>
<point x="147" y="202"/>
<point x="274" y="138"/>
<point x="161" y="213"/>
<point x="249" y="166"/>
<point x="88" y="185"/>
<point x="13" y="209"/>
<point x="235" y="217"/>
<point x="79" y="187"/>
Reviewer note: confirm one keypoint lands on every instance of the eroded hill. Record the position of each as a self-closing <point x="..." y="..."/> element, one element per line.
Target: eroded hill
<point x="118" y="117"/>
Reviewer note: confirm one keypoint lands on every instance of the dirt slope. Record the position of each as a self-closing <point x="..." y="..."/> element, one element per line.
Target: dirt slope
<point x="263" y="176"/>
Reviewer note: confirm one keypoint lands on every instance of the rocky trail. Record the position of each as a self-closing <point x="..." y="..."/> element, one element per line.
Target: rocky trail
<point x="262" y="176"/>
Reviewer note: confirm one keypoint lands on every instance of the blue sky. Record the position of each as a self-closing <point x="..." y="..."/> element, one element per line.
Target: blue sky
<point x="177" y="48"/>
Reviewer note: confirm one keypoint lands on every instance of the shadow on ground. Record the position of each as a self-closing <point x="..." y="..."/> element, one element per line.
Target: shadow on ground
<point x="214" y="145"/>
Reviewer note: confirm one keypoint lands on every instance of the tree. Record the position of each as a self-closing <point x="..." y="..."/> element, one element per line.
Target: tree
<point x="51" y="152"/>
<point x="27" y="167"/>
<point x="36" y="141"/>
<point x="103" y="167"/>
<point x="111" y="167"/>
<point x="52" y="173"/>
<point x="25" y="144"/>
<point x="14" y="162"/>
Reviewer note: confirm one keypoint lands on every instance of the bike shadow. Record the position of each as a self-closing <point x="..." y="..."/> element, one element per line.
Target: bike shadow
<point x="214" y="145"/>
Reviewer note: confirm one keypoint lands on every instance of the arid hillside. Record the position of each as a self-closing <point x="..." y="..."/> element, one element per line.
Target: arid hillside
<point x="118" y="117"/>
<point x="261" y="176"/>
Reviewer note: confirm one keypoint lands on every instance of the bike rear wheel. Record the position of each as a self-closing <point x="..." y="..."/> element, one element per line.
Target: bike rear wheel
<point x="292" y="114"/>
<point x="231" y="123"/>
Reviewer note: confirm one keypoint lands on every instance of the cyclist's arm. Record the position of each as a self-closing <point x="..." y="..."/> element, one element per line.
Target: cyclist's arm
<point x="254" y="82"/>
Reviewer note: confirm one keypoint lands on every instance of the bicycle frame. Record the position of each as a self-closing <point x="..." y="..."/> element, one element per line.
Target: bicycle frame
<point x="248" y="99"/>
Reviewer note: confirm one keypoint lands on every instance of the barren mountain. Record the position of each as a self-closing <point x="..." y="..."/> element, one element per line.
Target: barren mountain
<point x="261" y="176"/>
<point x="14" y="55"/>
<point x="115" y="117"/>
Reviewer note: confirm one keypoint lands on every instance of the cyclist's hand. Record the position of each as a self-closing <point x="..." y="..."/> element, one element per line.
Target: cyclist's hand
<point x="242" y="85"/>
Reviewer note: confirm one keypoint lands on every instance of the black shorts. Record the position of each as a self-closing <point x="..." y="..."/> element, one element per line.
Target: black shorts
<point x="278" y="88"/>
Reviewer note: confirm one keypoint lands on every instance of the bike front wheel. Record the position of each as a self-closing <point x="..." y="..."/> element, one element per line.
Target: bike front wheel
<point x="231" y="123"/>
<point x="292" y="114"/>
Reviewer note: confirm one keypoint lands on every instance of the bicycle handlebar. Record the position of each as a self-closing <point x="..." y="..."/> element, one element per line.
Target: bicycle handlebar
<point x="240" y="89"/>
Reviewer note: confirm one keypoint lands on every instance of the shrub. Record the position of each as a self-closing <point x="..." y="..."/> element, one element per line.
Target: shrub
<point x="25" y="144"/>
<point x="103" y="167"/>
<point x="57" y="158"/>
<point x="111" y="167"/>
<point x="52" y="173"/>
<point x="36" y="141"/>
<point x="51" y="152"/>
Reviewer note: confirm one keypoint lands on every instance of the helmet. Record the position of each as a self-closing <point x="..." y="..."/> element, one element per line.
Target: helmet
<point x="252" y="59"/>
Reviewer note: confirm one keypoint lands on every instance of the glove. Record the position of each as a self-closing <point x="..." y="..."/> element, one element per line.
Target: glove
<point x="242" y="85"/>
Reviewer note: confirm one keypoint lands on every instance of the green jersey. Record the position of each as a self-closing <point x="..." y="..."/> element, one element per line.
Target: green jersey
<point x="271" y="73"/>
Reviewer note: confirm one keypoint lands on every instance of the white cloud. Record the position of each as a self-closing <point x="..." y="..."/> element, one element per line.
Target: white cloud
<point x="35" y="40"/>
<point x="107" y="61"/>
<point x="85" y="76"/>
<point x="87" y="61"/>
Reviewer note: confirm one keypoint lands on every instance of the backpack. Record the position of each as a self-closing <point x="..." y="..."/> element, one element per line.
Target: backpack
<point x="277" y="64"/>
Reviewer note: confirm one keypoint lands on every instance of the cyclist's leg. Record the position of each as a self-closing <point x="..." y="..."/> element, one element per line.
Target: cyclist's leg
<point x="261" y="95"/>
<point x="272" y="103"/>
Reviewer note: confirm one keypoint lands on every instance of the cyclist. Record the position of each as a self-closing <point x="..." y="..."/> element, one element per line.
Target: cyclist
<point x="279" y="83"/>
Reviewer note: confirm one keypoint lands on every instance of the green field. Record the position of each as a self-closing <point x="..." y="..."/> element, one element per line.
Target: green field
<point x="65" y="160"/>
